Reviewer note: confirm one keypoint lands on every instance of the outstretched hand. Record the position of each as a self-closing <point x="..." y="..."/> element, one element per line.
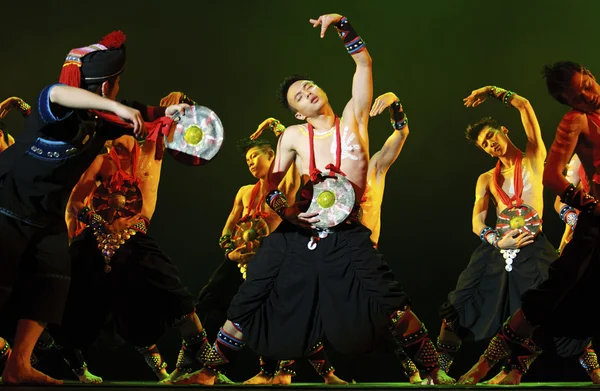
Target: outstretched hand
<point x="325" y="20"/>
<point x="10" y="103"/>
<point x="382" y="102"/>
<point x="477" y="97"/>
<point x="272" y="123"/>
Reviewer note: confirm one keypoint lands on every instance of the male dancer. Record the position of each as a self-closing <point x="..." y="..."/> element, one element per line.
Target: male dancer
<point x="502" y="267"/>
<point x="60" y="140"/>
<point x="249" y="205"/>
<point x="122" y="277"/>
<point x="560" y="304"/>
<point x="291" y="297"/>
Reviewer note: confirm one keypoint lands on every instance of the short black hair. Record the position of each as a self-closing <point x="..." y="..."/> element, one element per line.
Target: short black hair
<point x="558" y="77"/>
<point x="246" y="144"/>
<point x="475" y="129"/>
<point x="285" y="86"/>
<point x="95" y="87"/>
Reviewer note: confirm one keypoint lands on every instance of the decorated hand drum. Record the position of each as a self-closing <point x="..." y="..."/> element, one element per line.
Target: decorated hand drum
<point x="523" y="217"/>
<point x="248" y="234"/>
<point x="198" y="136"/>
<point x="111" y="204"/>
<point x="333" y="198"/>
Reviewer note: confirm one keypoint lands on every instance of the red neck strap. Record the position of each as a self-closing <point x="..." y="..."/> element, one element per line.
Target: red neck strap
<point x="255" y="208"/>
<point x="119" y="177"/>
<point x="518" y="182"/>
<point x="314" y="171"/>
<point x="156" y="129"/>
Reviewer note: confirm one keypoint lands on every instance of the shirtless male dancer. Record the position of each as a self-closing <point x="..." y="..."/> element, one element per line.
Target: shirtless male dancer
<point x="292" y="295"/>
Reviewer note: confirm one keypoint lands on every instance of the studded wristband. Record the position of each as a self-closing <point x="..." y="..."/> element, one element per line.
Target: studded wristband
<point x="501" y="94"/>
<point x="398" y="118"/>
<point x="226" y="244"/>
<point x="141" y="226"/>
<point x="24" y="108"/>
<point x="568" y="215"/>
<point x="88" y="217"/>
<point x="353" y="42"/>
<point x="490" y="236"/>
<point x="277" y="201"/>
<point x="579" y="199"/>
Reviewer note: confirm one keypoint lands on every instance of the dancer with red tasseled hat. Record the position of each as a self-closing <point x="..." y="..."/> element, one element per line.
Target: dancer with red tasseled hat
<point x="65" y="131"/>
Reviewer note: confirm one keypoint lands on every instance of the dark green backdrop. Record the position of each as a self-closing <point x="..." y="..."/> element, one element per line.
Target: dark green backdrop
<point x="231" y="56"/>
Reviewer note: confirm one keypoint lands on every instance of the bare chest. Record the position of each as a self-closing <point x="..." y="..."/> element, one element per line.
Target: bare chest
<point x="327" y="149"/>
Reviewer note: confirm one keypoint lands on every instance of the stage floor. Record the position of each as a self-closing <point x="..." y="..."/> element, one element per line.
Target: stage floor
<point x="130" y="386"/>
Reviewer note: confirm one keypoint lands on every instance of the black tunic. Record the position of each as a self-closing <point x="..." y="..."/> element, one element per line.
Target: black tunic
<point x="37" y="174"/>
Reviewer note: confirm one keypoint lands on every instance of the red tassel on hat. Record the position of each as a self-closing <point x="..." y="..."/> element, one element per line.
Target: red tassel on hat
<point x="113" y="40"/>
<point x="70" y="74"/>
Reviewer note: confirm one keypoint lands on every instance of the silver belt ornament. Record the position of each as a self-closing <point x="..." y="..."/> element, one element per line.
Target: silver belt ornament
<point x="509" y="257"/>
<point x="525" y="219"/>
<point x="333" y="198"/>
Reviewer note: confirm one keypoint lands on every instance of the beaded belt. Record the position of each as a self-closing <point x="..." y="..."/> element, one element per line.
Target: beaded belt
<point x="51" y="150"/>
<point x="109" y="243"/>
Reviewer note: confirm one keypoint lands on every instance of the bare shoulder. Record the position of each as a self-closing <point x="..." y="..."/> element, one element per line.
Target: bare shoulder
<point x="294" y="130"/>
<point x="291" y="134"/>
<point x="244" y="189"/>
<point x="486" y="178"/>
<point x="574" y="121"/>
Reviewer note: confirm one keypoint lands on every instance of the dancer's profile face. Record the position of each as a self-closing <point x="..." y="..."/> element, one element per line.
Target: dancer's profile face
<point x="583" y="93"/>
<point x="494" y="142"/>
<point x="259" y="160"/>
<point x="306" y="98"/>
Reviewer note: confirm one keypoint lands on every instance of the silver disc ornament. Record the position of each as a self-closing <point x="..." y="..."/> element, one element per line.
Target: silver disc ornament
<point x="198" y="136"/>
<point x="333" y="198"/>
<point x="523" y="218"/>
